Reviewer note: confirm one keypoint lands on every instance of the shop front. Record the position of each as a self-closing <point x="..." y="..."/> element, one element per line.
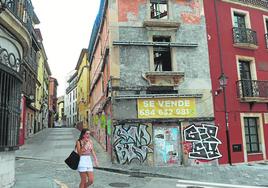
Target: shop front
<point x="163" y="131"/>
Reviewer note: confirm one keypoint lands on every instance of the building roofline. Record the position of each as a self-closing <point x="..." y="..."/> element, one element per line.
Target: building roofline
<point x="83" y="52"/>
<point x="72" y="77"/>
<point x="54" y="79"/>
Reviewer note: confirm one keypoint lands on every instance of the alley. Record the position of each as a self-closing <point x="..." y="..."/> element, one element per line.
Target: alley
<point x="40" y="162"/>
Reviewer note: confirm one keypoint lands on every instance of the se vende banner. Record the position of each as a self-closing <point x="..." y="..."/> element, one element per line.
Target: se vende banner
<point x="166" y="108"/>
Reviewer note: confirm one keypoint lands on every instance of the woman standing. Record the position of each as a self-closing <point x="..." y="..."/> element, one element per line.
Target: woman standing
<point x="85" y="149"/>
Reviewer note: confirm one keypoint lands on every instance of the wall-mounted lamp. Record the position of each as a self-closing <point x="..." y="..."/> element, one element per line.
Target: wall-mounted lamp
<point x="223" y="79"/>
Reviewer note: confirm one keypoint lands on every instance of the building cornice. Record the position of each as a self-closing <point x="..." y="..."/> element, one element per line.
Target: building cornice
<point x="256" y="4"/>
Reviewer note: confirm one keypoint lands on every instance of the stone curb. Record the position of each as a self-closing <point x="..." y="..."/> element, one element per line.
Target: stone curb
<point x="135" y="173"/>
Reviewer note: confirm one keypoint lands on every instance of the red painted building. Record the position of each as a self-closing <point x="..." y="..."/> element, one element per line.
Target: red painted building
<point x="52" y="100"/>
<point x="237" y="42"/>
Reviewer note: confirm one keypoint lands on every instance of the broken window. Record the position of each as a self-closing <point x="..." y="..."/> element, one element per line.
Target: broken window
<point x="162" y="56"/>
<point x="159" y="9"/>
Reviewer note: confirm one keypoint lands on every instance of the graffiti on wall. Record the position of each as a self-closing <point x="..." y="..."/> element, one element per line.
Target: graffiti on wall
<point x="166" y="148"/>
<point x="103" y="121"/>
<point x="95" y="120"/>
<point x="204" y="141"/>
<point x="109" y="128"/>
<point x="131" y="142"/>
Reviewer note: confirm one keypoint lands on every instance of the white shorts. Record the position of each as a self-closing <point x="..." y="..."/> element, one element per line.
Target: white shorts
<point x="85" y="164"/>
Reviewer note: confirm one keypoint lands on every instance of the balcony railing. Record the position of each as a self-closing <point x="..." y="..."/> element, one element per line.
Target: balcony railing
<point x="244" y="36"/>
<point x="22" y="11"/>
<point x="266" y="39"/>
<point x="252" y="89"/>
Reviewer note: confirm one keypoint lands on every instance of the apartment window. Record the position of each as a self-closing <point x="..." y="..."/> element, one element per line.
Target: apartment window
<point x="242" y="32"/>
<point x="159" y="9"/>
<point x="240" y="29"/>
<point x="162" y="55"/>
<point x="239" y="20"/>
<point x="266" y="25"/>
<point x="266" y="30"/>
<point x="251" y="134"/>
<point x="246" y="79"/>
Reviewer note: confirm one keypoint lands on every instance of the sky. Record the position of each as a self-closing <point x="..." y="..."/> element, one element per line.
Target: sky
<point x="66" y="30"/>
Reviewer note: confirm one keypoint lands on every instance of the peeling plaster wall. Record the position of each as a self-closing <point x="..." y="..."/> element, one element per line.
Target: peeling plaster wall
<point x="131" y="11"/>
<point x="134" y="61"/>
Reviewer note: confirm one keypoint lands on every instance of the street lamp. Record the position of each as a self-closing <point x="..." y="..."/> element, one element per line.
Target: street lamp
<point x="223" y="79"/>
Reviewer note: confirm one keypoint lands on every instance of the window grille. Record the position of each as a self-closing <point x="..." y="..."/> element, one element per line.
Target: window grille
<point x="10" y="95"/>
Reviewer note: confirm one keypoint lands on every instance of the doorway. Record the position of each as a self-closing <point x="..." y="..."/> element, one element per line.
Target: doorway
<point x="166" y="145"/>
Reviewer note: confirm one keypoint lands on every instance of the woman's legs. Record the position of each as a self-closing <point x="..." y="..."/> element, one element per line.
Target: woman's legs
<point x="83" y="181"/>
<point x="90" y="177"/>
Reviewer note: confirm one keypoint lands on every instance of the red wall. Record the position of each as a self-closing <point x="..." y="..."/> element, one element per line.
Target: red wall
<point x="22" y="121"/>
<point x="233" y="106"/>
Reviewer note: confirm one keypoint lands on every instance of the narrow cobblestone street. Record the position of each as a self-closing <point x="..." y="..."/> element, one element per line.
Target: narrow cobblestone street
<point x="39" y="163"/>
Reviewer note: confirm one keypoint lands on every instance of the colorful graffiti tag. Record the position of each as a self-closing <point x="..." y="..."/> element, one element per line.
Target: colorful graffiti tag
<point x="166" y="145"/>
<point x="204" y="141"/>
<point x="131" y="142"/>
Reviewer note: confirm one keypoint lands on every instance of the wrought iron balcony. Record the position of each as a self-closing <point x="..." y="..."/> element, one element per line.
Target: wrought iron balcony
<point x="245" y="38"/>
<point x="22" y="11"/>
<point x="252" y="90"/>
<point x="10" y="95"/>
<point x="266" y="39"/>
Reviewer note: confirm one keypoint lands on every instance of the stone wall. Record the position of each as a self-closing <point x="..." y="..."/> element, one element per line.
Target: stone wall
<point x="7" y="169"/>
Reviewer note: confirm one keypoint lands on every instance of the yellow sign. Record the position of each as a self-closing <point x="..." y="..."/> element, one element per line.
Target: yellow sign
<point x="166" y="108"/>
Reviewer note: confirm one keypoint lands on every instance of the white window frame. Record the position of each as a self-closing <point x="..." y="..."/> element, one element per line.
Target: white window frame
<point x="242" y="12"/>
<point x="265" y="18"/>
<point x="253" y="71"/>
<point x="260" y="134"/>
<point x="265" y="21"/>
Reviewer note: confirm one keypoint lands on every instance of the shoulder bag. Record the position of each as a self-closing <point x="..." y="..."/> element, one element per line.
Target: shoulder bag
<point x="73" y="160"/>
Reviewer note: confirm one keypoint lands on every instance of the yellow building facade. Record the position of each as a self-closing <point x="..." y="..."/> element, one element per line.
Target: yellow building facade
<point x="42" y="94"/>
<point x="83" y="104"/>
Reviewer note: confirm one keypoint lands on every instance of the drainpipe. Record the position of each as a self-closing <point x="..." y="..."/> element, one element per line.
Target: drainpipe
<point x="224" y="90"/>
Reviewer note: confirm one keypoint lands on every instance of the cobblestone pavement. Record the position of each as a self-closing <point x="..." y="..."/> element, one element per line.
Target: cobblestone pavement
<point x="40" y="164"/>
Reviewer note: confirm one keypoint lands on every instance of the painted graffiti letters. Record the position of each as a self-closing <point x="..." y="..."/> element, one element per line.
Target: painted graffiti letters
<point x="131" y="142"/>
<point x="204" y="141"/>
